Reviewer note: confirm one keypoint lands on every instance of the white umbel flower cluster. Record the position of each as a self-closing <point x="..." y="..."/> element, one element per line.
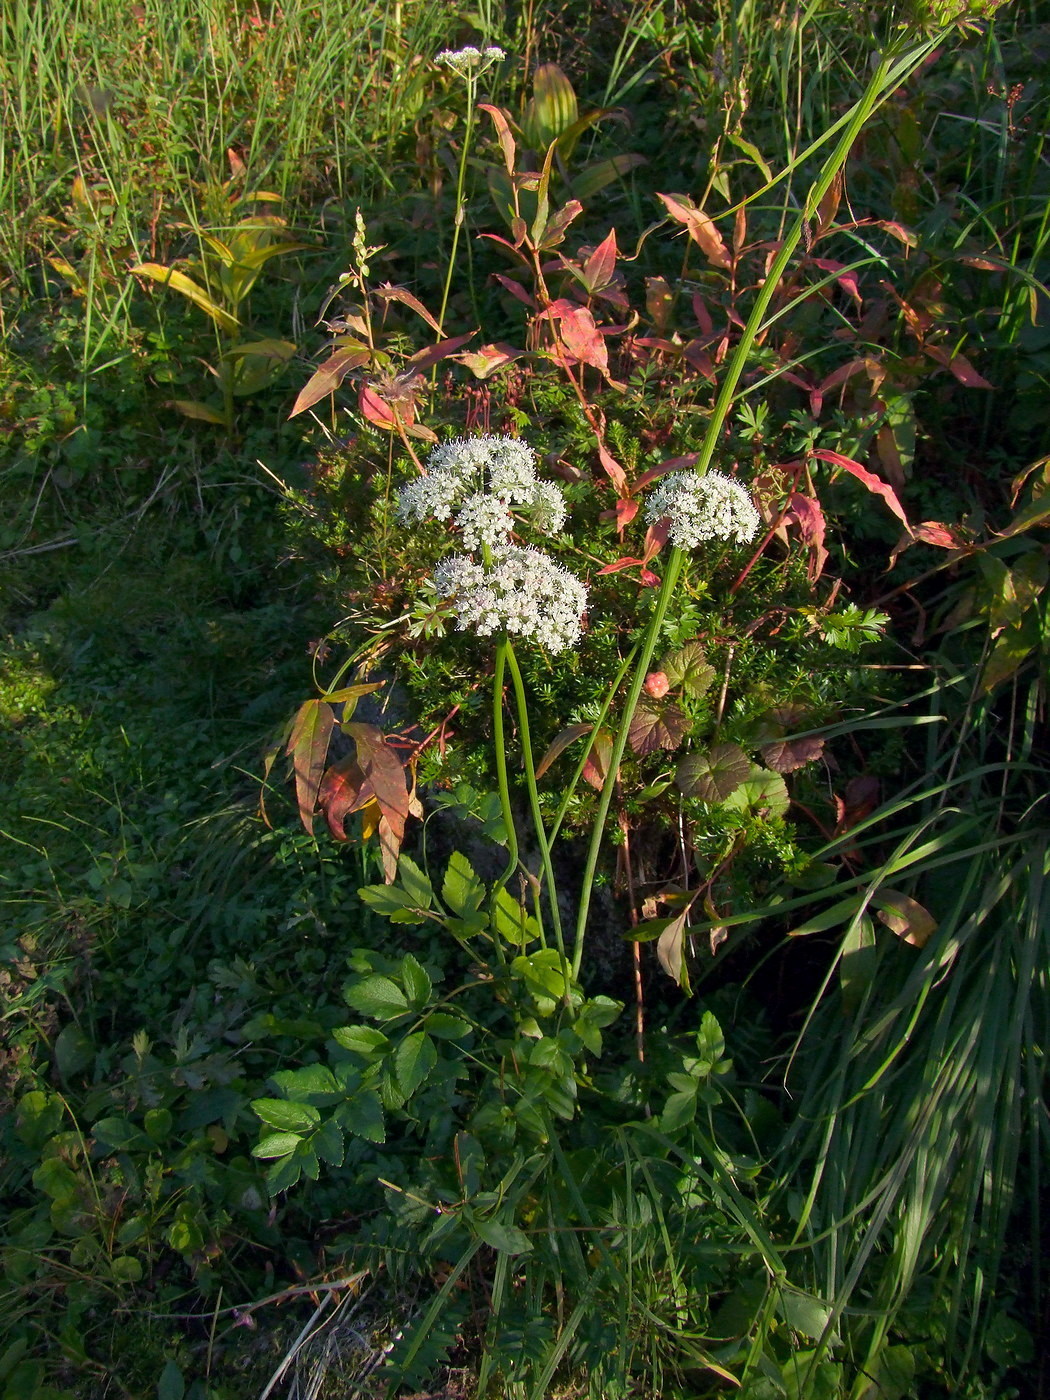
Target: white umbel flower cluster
<point x="477" y="482"/>
<point x="470" y="62"/>
<point x="523" y="592"/>
<point x="703" y="506"/>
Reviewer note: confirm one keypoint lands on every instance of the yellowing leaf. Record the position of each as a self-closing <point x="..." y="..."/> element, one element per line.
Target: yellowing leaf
<point x="179" y="282"/>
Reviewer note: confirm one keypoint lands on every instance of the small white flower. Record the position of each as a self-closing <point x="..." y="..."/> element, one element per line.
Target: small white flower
<point x="700" y="507"/>
<point x="484" y="522"/>
<point x="546" y="507"/>
<point x="523" y="591"/>
<point x="470" y="61"/>
<point x="462" y="472"/>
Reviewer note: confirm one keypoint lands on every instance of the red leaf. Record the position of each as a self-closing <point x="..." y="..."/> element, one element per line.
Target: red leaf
<point x="846" y="280"/>
<point x="808" y="516"/>
<point x="623" y="513"/>
<point x="308" y="750"/>
<point x="868" y="479"/>
<point x="423" y="359"/>
<point x="703" y="316"/>
<point x="386" y="775"/>
<point x="960" y="366"/>
<point x="943" y="536"/>
<point x="701" y="230"/>
<point x="515" y="289"/>
<point x="600" y="267"/>
<point x="375" y="409"/>
<point x="654" y="727"/>
<point x="598" y="760"/>
<point x="344" y="789"/>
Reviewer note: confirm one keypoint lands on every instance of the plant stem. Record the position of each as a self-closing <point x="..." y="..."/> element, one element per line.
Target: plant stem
<point x="534" y="798"/>
<point x="460" y="206"/>
<point x="503" y="781"/>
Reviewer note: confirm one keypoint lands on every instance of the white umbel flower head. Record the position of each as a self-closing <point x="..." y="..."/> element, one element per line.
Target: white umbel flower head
<point x="479" y="481"/>
<point x="470" y="62"/>
<point x="484" y="522"/>
<point x="523" y="591"/>
<point x="703" y="506"/>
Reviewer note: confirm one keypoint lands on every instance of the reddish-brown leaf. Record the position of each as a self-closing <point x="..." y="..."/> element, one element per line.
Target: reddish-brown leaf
<point x="560" y="743"/>
<point x="403" y="295"/>
<point x="328" y="377"/>
<point x="500" y="120"/>
<point x="655" y="727"/>
<point x="423" y="359"/>
<point x="786" y="755"/>
<point x="623" y="512"/>
<point x="308" y="749"/>
<point x="598" y="760"/>
<point x="344" y="789"/>
<point x="701" y="230"/>
<point x="960" y="366"/>
<point x="375" y="409"/>
<point x="600" y="268"/>
<point x="808" y="516"/>
<point x="869" y="479"/>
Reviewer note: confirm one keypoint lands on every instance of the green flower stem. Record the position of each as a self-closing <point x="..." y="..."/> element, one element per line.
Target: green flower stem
<point x="460" y="215"/>
<point x="502" y="779"/>
<point x="592" y="738"/>
<point x="891" y="71"/>
<point x="648" y="646"/>
<point x="534" y="800"/>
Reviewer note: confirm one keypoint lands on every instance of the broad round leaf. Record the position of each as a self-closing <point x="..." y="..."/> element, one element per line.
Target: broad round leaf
<point x="714" y="775"/>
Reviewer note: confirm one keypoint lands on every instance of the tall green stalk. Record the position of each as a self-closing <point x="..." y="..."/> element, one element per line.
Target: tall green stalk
<point x="889" y="74"/>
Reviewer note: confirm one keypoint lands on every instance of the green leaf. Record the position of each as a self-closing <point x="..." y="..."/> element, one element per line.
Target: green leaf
<point x="462" y="891"/>
<point x="416" y="982"/>
<point x="74" y="1051"/>
<point x="171" y="1385"/>
<point x="327" y="1143"/>
<point x="309" y="1081"/>
<point x="365" y="1041"/>
<point x="276" y="1145"/>
<point x="362" y="1115"/>
<point x="445" y="1027"/>
<point x="416" y="1056"/>
<point x="416" y="884"/>
<point x="158" y="1123"/>
<point x="288" y="1117"/>
<point x="513" y="924"/>
<point x="507" y="1239"/>
<point x="679" y="1110"/>
<point x="379" y="997"/>
<point x="283" y="1175"/>
<point x="763" y="794"/>
<point x="119" y="1135"/>
<point x="689" y="669"/>
<point x="125" y="1268"/>
<point x="715" y="775"/>
<point x="393" y="903"/>
<point x="804" y="1313"/>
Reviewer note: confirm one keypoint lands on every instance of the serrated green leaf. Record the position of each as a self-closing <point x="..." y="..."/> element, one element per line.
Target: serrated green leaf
<point x="362" y="1040"/>
<point x="379" y="997"/>
<point x="415" y="883"/>
<point x="283" y="1175"/>
<point x="416" y="982"/>
<point x="362" y="1115"/>
<point x="445" y="1027"/>
<point x="285" y="1116"/>
<point x="309" y="1081"/>
<point x="462" y="891"/>
<point x="414" y="1059"/>
<point x="276" y="1145"/>
<point x="715" y="775"/>
<point x="688" y="667"/>
<point x="327" y="1143"/>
